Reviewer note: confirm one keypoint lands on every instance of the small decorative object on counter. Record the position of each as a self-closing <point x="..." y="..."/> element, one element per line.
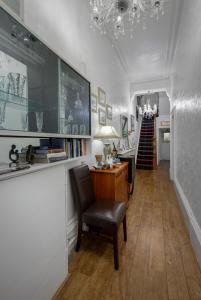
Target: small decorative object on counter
<point x="30" y="154"/>
<point x="99" y="161"/>
<point x="13" y="155"/>
<point x="114" y="151"/>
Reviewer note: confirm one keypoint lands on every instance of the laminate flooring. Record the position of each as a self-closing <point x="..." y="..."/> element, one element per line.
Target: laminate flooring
<point x="156" y="263"/>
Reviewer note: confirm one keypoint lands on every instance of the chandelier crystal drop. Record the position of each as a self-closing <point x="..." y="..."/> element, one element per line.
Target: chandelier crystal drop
<point x="121" y="16"/>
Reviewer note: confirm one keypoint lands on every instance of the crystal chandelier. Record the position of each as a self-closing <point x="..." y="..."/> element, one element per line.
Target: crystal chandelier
<point x="120" y="16"/>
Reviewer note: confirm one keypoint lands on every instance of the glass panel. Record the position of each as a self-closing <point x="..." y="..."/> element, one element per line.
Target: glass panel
<point x="28" y="69"/>
<point x="74" y="102"/>
<point x="14" y="5"/>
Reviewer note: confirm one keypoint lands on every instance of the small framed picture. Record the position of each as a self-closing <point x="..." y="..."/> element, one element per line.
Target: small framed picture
<point x="75" y="129"/>
<point x="102" y="116"/>
<point x="124" y="126"/>
<point x="132" y="123"/>
<point x="109" y="111"/>
<point x="94" y="103"/>
<point x="101" y="97"/>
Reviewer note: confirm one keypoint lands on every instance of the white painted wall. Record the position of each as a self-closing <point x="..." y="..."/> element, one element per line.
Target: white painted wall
<point x="186" y="107"/>
<point x="164" y="104"/>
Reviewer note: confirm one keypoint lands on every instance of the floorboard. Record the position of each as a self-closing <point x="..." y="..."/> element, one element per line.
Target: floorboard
<point x="156" y="263"/>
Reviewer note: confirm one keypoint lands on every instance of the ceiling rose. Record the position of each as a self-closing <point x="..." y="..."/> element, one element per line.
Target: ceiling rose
<point x="120" y="16"/>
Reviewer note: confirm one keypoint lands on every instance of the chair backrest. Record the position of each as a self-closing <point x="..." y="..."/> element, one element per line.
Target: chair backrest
<point x="82" y="187"/>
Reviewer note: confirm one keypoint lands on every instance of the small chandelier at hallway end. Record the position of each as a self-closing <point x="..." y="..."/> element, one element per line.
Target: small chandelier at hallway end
<point x="120" y="16"/>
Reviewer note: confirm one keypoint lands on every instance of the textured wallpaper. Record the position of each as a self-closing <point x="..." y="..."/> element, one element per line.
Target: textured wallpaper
<point x="186" y="95"/>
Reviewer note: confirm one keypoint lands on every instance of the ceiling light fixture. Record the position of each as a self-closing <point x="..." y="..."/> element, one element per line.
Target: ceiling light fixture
<point x="120" y="16"/>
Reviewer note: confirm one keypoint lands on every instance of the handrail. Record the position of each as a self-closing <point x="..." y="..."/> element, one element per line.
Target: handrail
<point x="154" y="147"/>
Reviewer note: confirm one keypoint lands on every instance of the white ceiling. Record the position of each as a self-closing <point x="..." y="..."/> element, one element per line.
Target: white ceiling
<point x="148" y="56"/>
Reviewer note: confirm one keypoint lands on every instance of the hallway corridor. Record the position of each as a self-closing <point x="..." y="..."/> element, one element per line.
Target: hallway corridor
<point x="156" y="263"/>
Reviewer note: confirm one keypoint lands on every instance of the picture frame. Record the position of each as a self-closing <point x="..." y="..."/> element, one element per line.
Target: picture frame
<point x="124" y="126"/>
<point x="132" y="119"/>
<point x="101" y="97"/>
<point x="94" y="103"/>
<point x="109" y="112"/>
<point x="102" y="116"/>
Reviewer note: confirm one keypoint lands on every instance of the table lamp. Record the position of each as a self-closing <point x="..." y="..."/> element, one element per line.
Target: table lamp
<point x="106" y="133"/>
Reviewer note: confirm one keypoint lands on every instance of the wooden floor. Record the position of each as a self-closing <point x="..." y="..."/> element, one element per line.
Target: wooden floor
<point x="157" y="262"/>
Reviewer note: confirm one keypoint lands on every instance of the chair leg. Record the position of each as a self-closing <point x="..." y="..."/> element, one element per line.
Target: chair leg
<point x="79" y="237"/>
<point x="125" y="229"/>
<point x="116" y="253"/>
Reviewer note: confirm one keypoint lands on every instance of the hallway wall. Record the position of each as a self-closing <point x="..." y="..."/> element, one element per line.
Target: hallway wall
<point x="67" y="32"/>
<point x="186" y="107"/>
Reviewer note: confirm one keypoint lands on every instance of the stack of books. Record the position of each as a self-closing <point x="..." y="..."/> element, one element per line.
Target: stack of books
<point x="55" y="149"/>
<point x="49" y="155"/>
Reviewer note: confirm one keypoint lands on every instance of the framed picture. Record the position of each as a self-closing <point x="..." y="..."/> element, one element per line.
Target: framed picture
<point x="132" y="123"/>
<point x="101" y="97"/>
<point x="109" y="111"/>
<point x="94" y="103"/>
<point x="124" y="126"/>
<point x="102" y="116"/>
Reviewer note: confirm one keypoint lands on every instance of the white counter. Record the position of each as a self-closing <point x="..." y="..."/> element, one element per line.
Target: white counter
<point x="33" y="233"/>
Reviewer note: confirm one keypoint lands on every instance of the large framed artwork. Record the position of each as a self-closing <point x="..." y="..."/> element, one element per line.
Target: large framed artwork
<point x="101" y="97"/>
<point x="13" y="88"/>
<point x="124" y="126"/>
<point x="74" y="102"/>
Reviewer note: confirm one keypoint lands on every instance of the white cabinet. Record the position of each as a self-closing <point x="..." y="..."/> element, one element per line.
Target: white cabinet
<point x="33" y="252"/>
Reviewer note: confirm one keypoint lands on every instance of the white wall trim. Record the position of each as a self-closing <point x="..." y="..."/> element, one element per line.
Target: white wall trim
<point x="72" y="234"/>
<point x="190" y="219"/>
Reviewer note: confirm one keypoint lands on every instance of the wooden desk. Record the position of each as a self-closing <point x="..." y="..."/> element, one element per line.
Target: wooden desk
<point x="111" y="184"/>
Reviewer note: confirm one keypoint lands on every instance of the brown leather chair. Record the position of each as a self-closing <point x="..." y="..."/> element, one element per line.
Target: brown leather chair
<point x="104" y="217"/>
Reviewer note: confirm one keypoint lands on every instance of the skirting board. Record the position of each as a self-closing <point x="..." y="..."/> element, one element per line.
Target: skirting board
<point x="191" y="222"/>
<point x="72" y="235"/>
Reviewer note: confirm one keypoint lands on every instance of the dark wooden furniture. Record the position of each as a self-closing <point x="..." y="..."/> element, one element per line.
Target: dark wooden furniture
<point x="104" y="216"/>
<point x="131" y="170"/>
<point x="111" y="184"/>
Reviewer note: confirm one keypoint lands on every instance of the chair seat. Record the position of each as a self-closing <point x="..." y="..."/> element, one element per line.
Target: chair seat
<point x="105" y="214"/>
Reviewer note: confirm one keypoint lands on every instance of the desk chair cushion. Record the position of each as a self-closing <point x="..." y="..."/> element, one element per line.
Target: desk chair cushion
<point x="105" y="214"/>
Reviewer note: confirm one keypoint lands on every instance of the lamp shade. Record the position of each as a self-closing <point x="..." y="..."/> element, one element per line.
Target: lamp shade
<point x="106" y="133"/>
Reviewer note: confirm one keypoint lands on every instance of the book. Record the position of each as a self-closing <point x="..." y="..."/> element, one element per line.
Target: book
<point x="59" y="154"/>
<point x="50" y="150"/>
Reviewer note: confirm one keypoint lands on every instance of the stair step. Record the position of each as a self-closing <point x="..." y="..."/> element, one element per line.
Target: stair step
<point x="146" y="143"/>
<point x="144" y="167"/>
<point x="145" y="156"/>
<point x="144" y="161"/>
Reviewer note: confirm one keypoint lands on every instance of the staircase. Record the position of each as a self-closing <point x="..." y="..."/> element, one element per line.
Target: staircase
<point x="145" y="158"/>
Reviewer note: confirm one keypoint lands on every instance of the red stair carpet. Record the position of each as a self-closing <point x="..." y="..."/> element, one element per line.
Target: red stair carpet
<point x="145" y="149"/>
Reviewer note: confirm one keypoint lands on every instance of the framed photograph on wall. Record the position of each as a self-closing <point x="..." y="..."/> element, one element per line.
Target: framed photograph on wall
<point x="94" y="103"/>
<point x="102" y="116"/>
<point x="132" y="123"/>
<point x="101" y="97"/>
<point x="124" y="126"/>
<point x="109" y="112"/>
